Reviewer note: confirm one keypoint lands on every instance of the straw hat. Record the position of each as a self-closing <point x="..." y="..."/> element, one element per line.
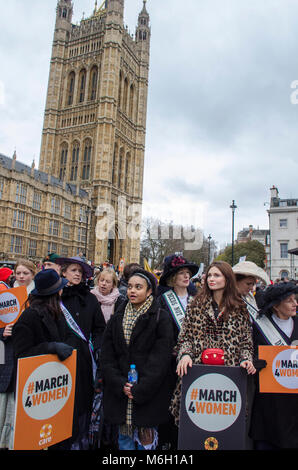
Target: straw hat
<point x="248" y="268"/>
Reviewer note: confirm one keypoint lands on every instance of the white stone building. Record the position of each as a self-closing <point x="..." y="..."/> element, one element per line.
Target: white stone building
<point x="283" y="225"/>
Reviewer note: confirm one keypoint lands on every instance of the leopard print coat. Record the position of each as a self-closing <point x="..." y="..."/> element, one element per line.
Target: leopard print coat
<point x="201" y="330"/>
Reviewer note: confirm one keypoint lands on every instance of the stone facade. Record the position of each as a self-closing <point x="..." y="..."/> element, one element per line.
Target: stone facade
<point x="283" y="223"/>
<point x="95" y="121"/>
<point x="39" y="213"/>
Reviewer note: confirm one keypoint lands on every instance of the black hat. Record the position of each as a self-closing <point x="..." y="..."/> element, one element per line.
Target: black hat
<point x="149" y="277"/>
<point x="172" y="264"/>
<point x="275" y="294"/>
<point x="48" y="282"/>
<point x="87" y="269"/>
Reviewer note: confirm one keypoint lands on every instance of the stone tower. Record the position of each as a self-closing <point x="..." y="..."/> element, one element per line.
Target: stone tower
<point x="95" y="121"/>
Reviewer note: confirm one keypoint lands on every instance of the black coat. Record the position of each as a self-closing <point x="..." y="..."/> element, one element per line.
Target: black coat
<point x="85" y="309"/>
<point x="150" y="349"/>
<point x="275" y="415"/>
<point x="7" y="369"/>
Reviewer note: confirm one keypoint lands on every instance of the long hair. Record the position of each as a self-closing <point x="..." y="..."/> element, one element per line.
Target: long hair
<point x="48" y="302"/>
<point x="231" y="298"/>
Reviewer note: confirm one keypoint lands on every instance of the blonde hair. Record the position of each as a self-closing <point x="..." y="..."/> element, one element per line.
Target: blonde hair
<point x="107" y="271"/>
<point x="27" y="263"/>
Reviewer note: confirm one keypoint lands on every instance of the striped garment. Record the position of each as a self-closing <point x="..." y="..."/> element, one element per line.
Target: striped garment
<point x="129" y="319"/>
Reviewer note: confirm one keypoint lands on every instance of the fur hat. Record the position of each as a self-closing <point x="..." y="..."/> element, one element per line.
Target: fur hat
<point x="275" y="294"/>
<point x="248" y="268"/>
<point x="172" y="264"/>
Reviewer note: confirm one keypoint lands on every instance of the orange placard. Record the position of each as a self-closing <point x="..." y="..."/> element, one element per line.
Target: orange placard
<point x="12" y="304"/>
<point x="281" y="373"/>
<point x="44" y="401"/>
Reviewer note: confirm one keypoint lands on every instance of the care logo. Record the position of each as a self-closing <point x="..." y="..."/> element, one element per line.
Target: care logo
<point x="213" y="402"/>
<point x="285" y="368"/>
<point x="9" y="307"/>
<point x="45" y="434"/>
<point x="47" y="390"/>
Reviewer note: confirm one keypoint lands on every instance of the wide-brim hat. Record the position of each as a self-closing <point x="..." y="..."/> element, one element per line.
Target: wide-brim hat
<point x="172" y="264"/>
<point x="276" y="293"/>
<point x="87" y="269"/>
<point x="48" y="282"/>
<point x="248" y="268"/>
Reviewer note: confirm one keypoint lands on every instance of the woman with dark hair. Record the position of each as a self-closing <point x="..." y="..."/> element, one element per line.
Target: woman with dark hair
<point x="86" y="321"/>
<point x="217" y="318"/>
<point x="139" y="333"/>
<point x="274" y="421"/>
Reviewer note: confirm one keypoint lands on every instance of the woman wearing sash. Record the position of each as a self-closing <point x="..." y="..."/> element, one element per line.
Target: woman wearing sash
<point x="139" y="333"/>
<point x="216" y="319"/>
<point x="86" y="324"/>
<point x="274" y="421"/>
<point x="175" y="291"/>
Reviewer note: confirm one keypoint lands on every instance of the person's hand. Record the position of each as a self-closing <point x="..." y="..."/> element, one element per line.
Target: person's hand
<point x="248" y="365"/>
<point x="183" y="364"/>
<point x="127" y="390"/>
<point x="7" y="331"/>
<point x="62" y="350"/>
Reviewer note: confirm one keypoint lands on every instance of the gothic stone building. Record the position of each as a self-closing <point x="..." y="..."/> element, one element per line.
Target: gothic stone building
<point x="87" y="193"/>
<point x="95" y="121"/>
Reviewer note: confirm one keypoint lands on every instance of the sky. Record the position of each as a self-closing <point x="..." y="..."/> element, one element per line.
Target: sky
<point x="222" y="119"/>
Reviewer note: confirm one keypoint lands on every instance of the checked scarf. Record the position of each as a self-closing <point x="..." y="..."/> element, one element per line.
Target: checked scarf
<point x="130" y="317"/>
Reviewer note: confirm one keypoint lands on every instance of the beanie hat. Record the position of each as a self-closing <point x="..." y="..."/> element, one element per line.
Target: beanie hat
<point x="5" y="273"/>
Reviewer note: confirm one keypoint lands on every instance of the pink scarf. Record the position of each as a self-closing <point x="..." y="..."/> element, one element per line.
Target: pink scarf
<point x="107" y="302"/>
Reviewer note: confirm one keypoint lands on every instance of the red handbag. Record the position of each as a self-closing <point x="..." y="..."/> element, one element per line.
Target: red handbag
<point x="214" y="357"/>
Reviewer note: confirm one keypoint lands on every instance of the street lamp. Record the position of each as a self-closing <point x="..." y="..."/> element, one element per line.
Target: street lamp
<point x="209" y="242"/>
<point x="233" y="207"/>
<point x="87" y="211"/>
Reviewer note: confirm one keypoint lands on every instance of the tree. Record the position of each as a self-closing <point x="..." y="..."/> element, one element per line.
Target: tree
<point x="253" y="250"/>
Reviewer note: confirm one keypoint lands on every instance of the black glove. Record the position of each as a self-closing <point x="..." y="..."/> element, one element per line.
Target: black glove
<point x="260" y="364"/>
<point x="62" y="350"/>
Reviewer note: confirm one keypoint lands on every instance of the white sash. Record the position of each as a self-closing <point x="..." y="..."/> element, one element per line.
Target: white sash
<point x="175" y="307"/>
<point x="266" y="327"/>
<point x="77" y="330"/>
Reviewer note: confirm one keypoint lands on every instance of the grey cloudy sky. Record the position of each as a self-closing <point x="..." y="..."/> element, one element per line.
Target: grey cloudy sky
<point x="221" y="124"/>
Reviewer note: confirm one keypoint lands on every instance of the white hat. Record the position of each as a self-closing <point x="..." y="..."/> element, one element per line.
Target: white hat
<point x="248" y="268"/>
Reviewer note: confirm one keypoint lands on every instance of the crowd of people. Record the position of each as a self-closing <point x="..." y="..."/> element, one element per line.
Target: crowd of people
<point x="163" y="325"/>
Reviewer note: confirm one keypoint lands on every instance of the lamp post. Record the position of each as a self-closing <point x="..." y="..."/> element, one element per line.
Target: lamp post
<point x="88" y="211"/>
<point x="233" y="207"/>
<point x="209" y="245"/>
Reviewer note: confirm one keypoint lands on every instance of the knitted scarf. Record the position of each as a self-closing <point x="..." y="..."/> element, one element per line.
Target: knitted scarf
<point x="107" y="302"/>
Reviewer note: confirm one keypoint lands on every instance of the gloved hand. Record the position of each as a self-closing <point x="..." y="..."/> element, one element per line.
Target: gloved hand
<point x="260" y="364"/>
<point x="62" y="350"/>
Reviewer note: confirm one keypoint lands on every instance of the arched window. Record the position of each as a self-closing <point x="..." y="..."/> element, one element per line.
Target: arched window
<point x="70" y="88"/>
<point x="114" y="169"/>
<point x="63" y="161"/>
<point x="93" y="83"/>
<point x="131" y="101"/>
<point x="87" y="160"/>
<point x="74" y="161"/>
<point x="125" y="93"/>
<point x="82" y="85"/>
<point x="127" y="172"/>
<point x="120" y="90"/>
<point x="120" y="167"/>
